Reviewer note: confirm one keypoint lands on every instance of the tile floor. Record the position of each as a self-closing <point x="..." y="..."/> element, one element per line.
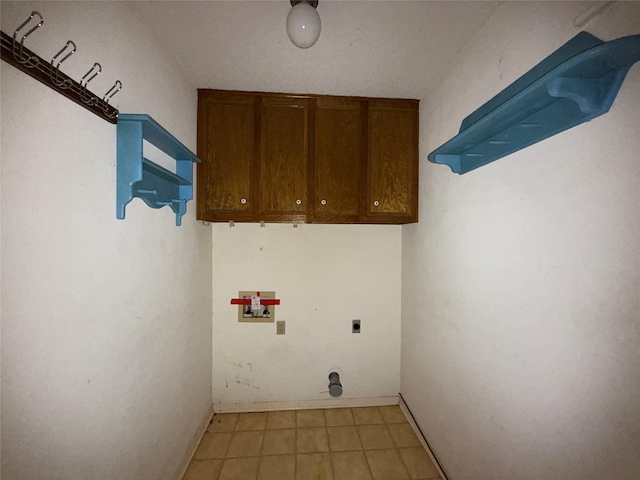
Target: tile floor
<point x="373" y="443"/>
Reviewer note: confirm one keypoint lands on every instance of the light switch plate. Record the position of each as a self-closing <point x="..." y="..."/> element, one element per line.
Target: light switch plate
<point x="280" y="327"/>
<point x="267" y="314"/>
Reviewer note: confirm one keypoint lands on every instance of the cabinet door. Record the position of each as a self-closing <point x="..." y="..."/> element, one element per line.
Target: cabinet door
<point x="393" y="161"/>
<point x="340" y="160"/>
<point x="226" y="147"/>
<point x="286" y="133"/>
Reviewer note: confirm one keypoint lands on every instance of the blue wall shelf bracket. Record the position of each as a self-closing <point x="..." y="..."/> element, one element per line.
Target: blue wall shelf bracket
<point x="140" y="177"/>
<point x="573" y="85"/>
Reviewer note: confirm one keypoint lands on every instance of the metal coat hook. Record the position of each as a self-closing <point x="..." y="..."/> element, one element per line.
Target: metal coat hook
<point x="55" y="69"/>
<point x="109" y="95"/>
<point x="31" y="61"/>
<point x="84" y="81"/>
<point x="112" y="91"/>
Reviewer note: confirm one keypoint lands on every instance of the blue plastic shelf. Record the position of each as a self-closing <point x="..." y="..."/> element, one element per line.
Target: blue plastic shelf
<point x="574" y="84"/>
<point x="139" y="177"/>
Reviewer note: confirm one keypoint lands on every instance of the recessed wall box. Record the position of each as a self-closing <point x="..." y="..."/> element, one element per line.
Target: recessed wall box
<point x="256" y="306"/>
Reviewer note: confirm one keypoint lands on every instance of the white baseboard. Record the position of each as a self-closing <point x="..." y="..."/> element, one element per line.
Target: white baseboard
<point x="418" y="432"/>
<point x="304" y="404"/>
<point x="193" y="445"/>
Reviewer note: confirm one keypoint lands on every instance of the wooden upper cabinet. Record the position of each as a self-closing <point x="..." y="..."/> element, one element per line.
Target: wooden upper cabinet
<point x="226" y="143"/>
<point x="284" y="158"/>
<point x="340" y="160"/>
<point x="308" y="158"/>
<point x="393" y="161"/>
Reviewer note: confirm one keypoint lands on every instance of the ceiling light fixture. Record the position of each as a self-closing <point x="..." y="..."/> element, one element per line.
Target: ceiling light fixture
<point x="303" y="23"/>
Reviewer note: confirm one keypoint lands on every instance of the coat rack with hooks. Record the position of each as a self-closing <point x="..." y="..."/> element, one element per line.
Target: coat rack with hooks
<point x="15" y="53"/>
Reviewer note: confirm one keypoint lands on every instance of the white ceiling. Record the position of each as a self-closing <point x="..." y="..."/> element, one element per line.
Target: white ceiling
<point x="366" y="48"/>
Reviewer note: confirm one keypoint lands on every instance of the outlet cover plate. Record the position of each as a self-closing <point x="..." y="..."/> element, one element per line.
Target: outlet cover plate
<point x="355" y="326"/>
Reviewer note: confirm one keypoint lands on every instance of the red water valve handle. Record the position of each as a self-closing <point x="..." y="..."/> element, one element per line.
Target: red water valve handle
<point x="247" y="301"/>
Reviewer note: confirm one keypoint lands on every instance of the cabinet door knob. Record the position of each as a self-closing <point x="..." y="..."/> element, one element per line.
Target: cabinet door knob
<point x="323" y="202"/>
<point x="376" y="203"/>
<point x="243" y="201"/>
<point x="298" y="202"/>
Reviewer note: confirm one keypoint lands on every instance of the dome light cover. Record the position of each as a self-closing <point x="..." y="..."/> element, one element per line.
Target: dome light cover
<point x="303" y="24"/>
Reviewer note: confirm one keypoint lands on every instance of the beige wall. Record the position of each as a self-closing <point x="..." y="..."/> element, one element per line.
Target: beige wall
<point x="521" y="283"/>
<point x="106" y="324"/>
<point x="325" y="276"/>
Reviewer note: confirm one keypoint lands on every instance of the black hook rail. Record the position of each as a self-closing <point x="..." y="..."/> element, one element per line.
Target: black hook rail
<point x="46" y="73"/>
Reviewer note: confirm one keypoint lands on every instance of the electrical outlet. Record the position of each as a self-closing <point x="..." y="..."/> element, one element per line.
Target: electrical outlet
<point x="355" y="326"/>
<point x="280" y="327"/>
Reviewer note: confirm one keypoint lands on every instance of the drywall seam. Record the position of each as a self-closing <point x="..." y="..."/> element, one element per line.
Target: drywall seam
<point x="193" y="445"/>
<point x="407" y="413"/>
<point x="304" y="404"/>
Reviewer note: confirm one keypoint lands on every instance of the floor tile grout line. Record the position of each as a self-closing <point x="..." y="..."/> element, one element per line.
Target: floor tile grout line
<point x="397" y="449"/>
<point x="403" y="462"/>
<point x="326" y="432"/>
<point x="226" y="450"/>
<point x="364" y="452"/>
<point x="260" y="456"/>
<point x="295" y="446"/>
<point x="263" y="432"/>
<point x="393" y="441"/>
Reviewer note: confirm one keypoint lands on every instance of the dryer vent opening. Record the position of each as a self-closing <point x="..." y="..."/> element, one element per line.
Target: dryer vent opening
<point x="335" y="387"/>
